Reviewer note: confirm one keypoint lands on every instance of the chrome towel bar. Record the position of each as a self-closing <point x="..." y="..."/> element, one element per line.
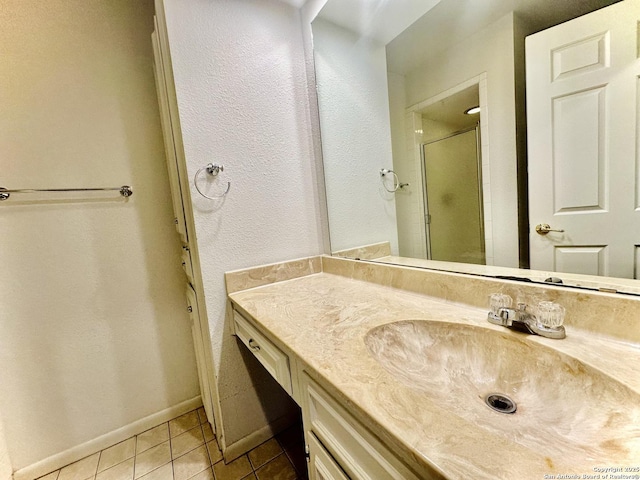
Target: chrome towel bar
<point x="125" y="191"/>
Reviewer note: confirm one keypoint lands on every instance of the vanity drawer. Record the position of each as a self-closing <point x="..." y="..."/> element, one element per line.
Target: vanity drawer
<point x="360" y="454"/>
<point x="270" y="356"/>
<point x="321" y="465"/>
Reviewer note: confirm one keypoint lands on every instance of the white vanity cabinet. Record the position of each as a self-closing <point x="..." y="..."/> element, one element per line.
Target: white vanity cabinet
<point x="270" y="356"/>
<point x="321" y="465"/>
<point x="339" y="446"/>
<point x="356" y="450"/>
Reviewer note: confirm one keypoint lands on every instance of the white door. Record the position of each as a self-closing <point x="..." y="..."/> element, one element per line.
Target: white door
<point x="582" y="110"/>
<point x="169" y="146"/>
<point x="201" y="364"/>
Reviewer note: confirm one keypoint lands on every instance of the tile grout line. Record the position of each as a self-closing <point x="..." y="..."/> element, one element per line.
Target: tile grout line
<point x="135" y="457"/>
<point x="210" y="463"/>
<point x="173" y="470"/>
<point x="98" y="463"/>
<point x="204" y="444"/>
<point x="170" y="448"/>
<point x="206" y="447"/>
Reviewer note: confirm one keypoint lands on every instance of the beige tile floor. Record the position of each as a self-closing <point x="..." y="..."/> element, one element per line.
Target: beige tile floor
<point x="186" y="448"/>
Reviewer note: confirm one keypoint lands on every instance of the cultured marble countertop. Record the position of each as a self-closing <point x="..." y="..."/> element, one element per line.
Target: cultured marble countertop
<point x="322" y="319"/>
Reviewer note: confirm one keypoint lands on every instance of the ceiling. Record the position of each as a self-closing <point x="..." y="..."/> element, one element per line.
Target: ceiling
<point x="379" y="19"/>
<point x="295" y="3"/>
<point x="434" y="26"/>
<point x="450" y="110"/>
<point x="452" y="21"/>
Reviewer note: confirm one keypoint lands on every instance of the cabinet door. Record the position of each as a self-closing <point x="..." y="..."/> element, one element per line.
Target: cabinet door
<point x="187" y="265"/>
<point x="321" y="465"/>
<point x="167" y="133"/>
<point x="359" y="453"/>
<point x="199" y="349"/>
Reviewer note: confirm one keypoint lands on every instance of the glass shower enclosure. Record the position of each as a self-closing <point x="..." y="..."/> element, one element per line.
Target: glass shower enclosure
<point x="453" y="198"/>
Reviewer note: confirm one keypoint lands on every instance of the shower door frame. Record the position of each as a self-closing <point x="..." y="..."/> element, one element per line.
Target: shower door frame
<point x="425" y="198"/>
<point x="414" y="130"/>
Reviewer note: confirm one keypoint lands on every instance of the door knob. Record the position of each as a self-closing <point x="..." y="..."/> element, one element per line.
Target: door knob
<point x="544" y="228"/>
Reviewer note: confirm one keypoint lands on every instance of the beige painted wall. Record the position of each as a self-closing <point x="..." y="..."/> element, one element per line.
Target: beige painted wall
<point x="93" y="330"/>
<point x="5" y="461"/>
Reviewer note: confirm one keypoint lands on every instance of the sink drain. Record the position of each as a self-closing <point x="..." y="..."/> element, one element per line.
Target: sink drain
<point x="500" y="403"/>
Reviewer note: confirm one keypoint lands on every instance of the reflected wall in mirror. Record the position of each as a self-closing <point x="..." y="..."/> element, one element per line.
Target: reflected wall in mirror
<point x="391" y="98"/>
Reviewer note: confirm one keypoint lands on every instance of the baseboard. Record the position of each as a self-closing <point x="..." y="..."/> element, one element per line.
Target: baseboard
<point x="242" y="446"/>
<point x="78" y="452"/>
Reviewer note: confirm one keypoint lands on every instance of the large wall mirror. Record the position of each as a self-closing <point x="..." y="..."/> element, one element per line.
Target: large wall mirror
<point x="446" y="147"/>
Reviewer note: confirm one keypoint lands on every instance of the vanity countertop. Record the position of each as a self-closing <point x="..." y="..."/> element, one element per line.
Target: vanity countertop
<point x="322" y="320"/>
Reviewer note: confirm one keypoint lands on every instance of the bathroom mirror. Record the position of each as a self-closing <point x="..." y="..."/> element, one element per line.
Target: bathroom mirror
<point x="394" y="80"/>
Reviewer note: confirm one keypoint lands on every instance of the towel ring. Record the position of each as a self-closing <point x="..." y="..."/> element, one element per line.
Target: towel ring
<point x="396" y="181"/>
<point x="214" y="170"/>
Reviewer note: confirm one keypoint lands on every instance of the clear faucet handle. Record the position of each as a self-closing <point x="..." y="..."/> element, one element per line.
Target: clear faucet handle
<point x="498" y="301"/>
<point x="550" y="314"/>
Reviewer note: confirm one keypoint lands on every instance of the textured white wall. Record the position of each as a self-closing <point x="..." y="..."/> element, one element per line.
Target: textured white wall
<point x="242" y="93"/>
<point x="93" y="329"/>
<point x="308" y="13"/>
<point x="492" y="51"/>
<point x="351" y="75"/>
<point x="411" y="236"/>
<point x="5" y="462"/>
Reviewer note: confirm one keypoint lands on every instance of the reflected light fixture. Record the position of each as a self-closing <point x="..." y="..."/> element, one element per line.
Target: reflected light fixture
<point x="472" y="110"/>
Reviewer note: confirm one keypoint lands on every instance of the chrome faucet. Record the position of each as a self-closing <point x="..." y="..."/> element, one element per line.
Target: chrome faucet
<point x="548" y="323"/>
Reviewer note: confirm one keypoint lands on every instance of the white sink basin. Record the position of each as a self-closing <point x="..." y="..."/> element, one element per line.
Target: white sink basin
<point x="565" y="409"/>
